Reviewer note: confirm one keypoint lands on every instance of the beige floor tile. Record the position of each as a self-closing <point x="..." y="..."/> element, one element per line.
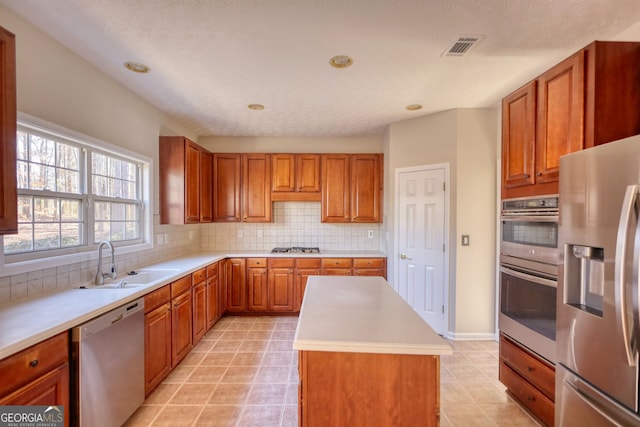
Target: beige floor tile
<point x="467" y="416"/>
<point x="263" y="326"/>
<point x="261" y="416"/>
<point x="286" y="326"/>
<point x="290" y="416"/>
<point x="247" y="359"/>
<point x="283" y="335"/>
<point x="217" y="359"/>
<point x="162" y="394"/>
<point x="219" y="416"/>
<point x="179" y="374"/>
<point x="192" y="394"/>
<point x="243" y="326"/>
<point x="226" y="345"/>
<point x="143" y="416"/>
<point x="203" y="346"/>
<point x="239" y="374"/>
<point x="267" y="394"/>
<point x="507" y="415"/>
<point x="481" y="357"/>
<point x="273" y="374"/>
<point x="249" y="345"/>
<point x="467" y="374"/>
<point x="230" y="394"/>
<point x="453" y="394"/>
<point x="213" y="335"/>
<point x="280" y="345"/>
<point x="457" y="358"/>
<point x="258" y="335"/>
<point x="206" y="374"/>
<point x="192" y="359"/>
<point x="277" y="358"/>
<point x="233" y="336"/>
<point x="486" y="393"/>
<point x="173" y="416"/>
<point x="292" y="394"/>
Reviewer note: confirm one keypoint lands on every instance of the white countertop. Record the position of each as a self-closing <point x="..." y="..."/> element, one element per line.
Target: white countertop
<point x="362" y="315"/>
<point x="31" y="321"/>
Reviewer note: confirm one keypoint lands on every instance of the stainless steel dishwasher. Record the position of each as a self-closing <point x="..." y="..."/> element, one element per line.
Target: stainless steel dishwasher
<point x="109" y="367"/>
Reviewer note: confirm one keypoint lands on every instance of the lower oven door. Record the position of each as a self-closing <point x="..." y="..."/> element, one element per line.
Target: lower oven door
<point x="528" y="310"/>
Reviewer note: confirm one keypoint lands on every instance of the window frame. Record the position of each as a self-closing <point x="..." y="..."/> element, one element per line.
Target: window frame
<point x="22" y="262"/>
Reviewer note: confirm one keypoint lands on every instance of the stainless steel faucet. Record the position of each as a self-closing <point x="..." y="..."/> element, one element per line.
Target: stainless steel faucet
<point x="112" y="273"/>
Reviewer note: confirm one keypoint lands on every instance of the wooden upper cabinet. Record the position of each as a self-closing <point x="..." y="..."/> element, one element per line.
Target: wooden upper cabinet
<point x="295" y="177"/>
<point x="560" y="116"/>
<point x="365" y="187"/>
<point x="179" y="180"/>
<point x="591" y="98"/>
<point x="335" y="188"/>
<point x="206" y="186"/>
<point x="8" y="124"/>
<point x="518" y="137"/>
<point x="256" y="185"/>
<point x="351" y="187"/>
<point x="226" y="187"/>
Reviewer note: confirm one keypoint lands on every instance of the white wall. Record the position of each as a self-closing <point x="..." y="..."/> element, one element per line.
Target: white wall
<point x="466" y="139"/>
<point x="290" y="144"/>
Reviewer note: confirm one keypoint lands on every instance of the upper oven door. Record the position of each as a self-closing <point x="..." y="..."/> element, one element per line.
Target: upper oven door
<point x="530" y="237"/>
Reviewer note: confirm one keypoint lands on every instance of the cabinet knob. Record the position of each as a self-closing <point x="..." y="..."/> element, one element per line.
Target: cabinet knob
<point x="526" y="175"/>
<point x="539" y="174"/>
<point x="33" y="363"/>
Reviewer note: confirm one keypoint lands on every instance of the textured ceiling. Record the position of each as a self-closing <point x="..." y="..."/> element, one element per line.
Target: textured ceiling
<point x="210" y="58"/>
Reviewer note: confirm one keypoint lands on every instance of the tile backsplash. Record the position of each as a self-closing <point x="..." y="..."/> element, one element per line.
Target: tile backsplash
<point x="294" y="224"/>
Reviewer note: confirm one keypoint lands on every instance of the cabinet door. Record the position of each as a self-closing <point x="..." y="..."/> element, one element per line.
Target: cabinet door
<point x="226" y="187"/>
<point x="257" y="289"/>
<point x="181" y="327"/>
<point x="236" y="285"/>
<point x="8" y="189"/>
<point x="206" y="186"/>
<point x="51" y="389"/>
<point x="308" y="173"/>
<point x="283" y="173"/>
<point x="280" y="290"/>
<point x="256" y="188"/>
<point x="192" y="183"/>
<point x="335" y="188"/>
<point x="560" y="116"/>
<point x="336" y="272"/>
<point x="212" y="300"/>
<point x="199" y="294"/>
<point x="518" y="137"/>
<point x="301" y="277"/>
<point x="365" y="188"/>
<point x="157" y="346"/>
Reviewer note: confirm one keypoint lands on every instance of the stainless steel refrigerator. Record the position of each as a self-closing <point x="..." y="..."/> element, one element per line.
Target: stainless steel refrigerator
<point x="598" y="323"/>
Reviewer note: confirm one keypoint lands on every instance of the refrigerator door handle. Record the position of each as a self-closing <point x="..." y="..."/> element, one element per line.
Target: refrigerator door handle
<point x="623" y="306"/>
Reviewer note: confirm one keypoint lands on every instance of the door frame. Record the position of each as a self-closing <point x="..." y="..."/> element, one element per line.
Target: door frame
<point x="447" y="236"/>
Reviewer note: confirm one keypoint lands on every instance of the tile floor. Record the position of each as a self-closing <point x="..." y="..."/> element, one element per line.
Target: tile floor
<point x="244" y="373"/>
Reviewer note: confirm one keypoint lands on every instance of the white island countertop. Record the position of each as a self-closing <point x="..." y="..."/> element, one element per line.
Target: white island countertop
<point x="362" y="315"/>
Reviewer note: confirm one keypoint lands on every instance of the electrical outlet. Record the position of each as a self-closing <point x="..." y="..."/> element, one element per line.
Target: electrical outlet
<point x="191" y="235"/>
<point x="370" y="234"/>
<point x="240" y="233"/>
<point x="465" y="240"/>
<point x="260" y="233"/>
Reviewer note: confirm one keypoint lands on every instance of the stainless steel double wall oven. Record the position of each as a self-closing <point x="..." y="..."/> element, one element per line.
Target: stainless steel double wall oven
<point x="529" y="272"/>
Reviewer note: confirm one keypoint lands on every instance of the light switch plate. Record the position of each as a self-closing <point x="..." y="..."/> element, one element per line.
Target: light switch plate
<point x="465" y="240"/>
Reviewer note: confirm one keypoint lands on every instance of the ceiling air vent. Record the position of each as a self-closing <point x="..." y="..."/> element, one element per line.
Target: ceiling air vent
<point x="462" y="46"/>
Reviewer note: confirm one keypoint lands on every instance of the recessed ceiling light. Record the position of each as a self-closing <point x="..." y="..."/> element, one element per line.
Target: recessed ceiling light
<point x="413" y="107"/>
<point x="256" y="107"/>
<point x="341" y="61"/>
<point x="136" y="67"/>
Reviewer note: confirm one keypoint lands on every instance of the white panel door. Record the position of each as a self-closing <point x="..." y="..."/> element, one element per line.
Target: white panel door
<point x="421" y="244"/>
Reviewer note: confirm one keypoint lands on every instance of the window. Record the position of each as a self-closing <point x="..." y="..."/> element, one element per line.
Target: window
<point x="73" y="194"/>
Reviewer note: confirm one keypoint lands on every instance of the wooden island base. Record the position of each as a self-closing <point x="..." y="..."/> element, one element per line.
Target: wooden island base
<point x="368" y="389"/>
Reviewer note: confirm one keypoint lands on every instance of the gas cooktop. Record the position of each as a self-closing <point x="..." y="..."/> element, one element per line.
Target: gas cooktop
<point x="296" y="250"/>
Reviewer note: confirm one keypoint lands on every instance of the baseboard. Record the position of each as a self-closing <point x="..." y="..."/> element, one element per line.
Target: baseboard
<point x="472" y="336"/>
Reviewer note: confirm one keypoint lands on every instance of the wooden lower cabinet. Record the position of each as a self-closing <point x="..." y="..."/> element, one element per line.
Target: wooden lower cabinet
<point x="368" y="389"/>
<point x="337" y="266"/>
<point x="38" y="375"/>
<point x="199" y="294"/>
<point x="181" y="319"/>
<point x="370" y="267"/>
<point x="157" y="346"/>
<point x="528" y="378"/>
<point x="235" y="278"/>
<point x="280" y="286"/>
<point x="304" y="267"/>
<point x="257" y="284"/>
<point x="213" y="311"/>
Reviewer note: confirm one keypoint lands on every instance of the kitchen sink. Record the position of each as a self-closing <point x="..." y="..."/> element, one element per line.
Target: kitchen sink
<point x="137" y="279"/>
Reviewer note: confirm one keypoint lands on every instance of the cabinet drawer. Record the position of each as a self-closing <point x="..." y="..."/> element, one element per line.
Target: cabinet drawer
<point x="336" y="262"/>
<point x="180" y="286"/>
<point x="368" y="263"/>
<point x="528" y="395"/>
<point x="308" y="263"/>
<point x="212" y="270"/>
<point x="199" y="276"/>
<point x="256" y="263"/>
<point x="157" y="298"/>
<point x="528" y="366"/>
<point x="33" y="362"/>
<point x="282" y="262"/>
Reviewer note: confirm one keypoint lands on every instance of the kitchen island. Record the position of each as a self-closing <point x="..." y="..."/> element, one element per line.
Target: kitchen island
<point x="366" y="358"/>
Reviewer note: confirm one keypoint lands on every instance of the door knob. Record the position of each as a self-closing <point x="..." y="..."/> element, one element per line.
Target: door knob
<point x="403" y="256"/>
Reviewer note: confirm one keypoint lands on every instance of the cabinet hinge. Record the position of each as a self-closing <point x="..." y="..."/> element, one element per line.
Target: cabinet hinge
<point x="443" y="248"/>
<point x="443" y="309"/>
<point x="444" y="186"/>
